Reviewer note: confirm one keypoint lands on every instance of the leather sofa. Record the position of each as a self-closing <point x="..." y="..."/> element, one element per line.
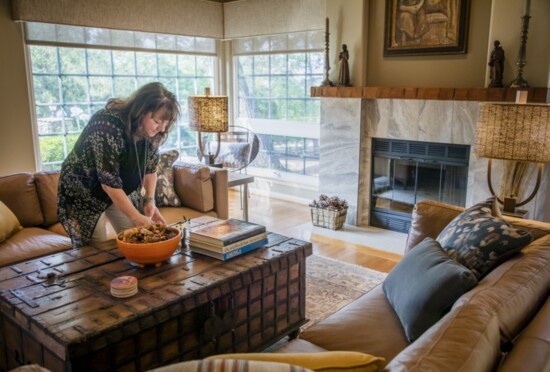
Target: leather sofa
<point x="502" y="323"/>
<point x="33" y="200"/>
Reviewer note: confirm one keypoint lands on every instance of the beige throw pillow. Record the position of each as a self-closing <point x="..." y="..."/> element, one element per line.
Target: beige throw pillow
<point x="9" y="224"/>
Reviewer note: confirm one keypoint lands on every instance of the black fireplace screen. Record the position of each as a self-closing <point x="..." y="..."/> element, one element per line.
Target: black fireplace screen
<point x="404" y="172"/>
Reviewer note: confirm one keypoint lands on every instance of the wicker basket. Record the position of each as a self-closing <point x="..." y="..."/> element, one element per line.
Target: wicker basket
<point x="329" y="218"/>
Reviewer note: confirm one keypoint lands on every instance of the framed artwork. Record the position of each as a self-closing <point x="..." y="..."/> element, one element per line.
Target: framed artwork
<point x="422" y="27"/>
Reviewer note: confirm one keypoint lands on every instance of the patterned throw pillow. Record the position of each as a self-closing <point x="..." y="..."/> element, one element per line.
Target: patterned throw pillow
<point x="165" y="195"/>
<point x="480" y="241"/>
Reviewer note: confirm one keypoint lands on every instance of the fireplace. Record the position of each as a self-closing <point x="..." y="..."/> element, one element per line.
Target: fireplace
<point x="351" y="128"/>
<point x="404" y="172"/>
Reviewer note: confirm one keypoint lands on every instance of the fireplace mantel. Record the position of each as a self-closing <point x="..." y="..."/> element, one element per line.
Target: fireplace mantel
<point x="535" y="95"/>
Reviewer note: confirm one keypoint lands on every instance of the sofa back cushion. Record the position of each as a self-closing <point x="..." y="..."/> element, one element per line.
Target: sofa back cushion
<point x="429" y="218"/>
<point x="18" y="192"/>
<point x="466" y="339"/>
<point x="194" y="187"/>
<point x="46" y="187"/>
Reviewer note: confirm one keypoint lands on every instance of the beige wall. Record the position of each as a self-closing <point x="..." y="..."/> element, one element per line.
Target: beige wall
<point x="16" y="139"/>
<point x="348" y="25"/>
<point x="489" y="20"/>
<point x="506" y="27"/>
<point x="455" y="70"/>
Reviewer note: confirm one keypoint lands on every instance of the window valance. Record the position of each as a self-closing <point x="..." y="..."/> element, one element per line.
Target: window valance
<point x="175" y="17"/>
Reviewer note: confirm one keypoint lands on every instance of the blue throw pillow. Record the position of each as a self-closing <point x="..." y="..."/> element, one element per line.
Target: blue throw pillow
<point x="424" y="285"/>
<point x="480" y="241"/>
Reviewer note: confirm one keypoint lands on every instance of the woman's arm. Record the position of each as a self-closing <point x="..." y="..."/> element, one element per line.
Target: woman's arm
<point x="149" y="207"/>
<point x="121" y="201"/>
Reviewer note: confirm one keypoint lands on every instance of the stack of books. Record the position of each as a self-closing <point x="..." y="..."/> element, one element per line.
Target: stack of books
<point x="225" y="239"/>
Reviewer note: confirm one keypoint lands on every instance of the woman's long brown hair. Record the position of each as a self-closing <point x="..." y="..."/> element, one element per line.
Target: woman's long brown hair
<point x="148" y="99"/>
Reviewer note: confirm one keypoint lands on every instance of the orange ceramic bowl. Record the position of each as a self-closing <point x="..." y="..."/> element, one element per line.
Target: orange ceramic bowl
<point x="150" y="253"/>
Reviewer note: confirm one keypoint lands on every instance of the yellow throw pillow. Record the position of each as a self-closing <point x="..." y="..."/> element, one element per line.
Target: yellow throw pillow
<point x="326" y="361"/>
<point x="9" y="224"/>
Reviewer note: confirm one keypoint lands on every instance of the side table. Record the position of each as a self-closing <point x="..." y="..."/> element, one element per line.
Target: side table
<point x="239" y="179"/>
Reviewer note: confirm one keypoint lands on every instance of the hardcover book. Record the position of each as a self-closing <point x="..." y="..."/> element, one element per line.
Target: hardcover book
<point x="231" y="254"/>
<point x="229" y="247"/>
<point x="224" y="232"/>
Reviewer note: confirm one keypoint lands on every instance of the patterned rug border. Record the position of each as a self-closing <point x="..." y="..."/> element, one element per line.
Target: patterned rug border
<point x="332" y="284"/>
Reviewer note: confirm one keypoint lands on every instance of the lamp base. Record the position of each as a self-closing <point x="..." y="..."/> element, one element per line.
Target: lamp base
<point x="209" y="159"/>
<point x="519" y="213"/>
<point x="509" y="205"/>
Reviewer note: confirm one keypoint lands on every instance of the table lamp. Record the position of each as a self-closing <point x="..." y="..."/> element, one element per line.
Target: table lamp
<point x="513" y="132"/>
<point x="208" y="114"/>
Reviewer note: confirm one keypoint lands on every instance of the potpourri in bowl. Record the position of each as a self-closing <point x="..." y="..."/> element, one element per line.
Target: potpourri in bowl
<point x="149" y="245"/>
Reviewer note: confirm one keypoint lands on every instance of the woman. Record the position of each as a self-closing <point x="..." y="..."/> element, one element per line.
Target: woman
<point x="111" y="170"/>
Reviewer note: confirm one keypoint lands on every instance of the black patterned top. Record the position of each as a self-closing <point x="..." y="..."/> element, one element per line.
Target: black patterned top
<point x="103" y="154"/>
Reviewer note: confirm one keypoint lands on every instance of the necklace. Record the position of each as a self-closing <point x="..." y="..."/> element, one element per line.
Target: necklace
<point x="142" y="190"/>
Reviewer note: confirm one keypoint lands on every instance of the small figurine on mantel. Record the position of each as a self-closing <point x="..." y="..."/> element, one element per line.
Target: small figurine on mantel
<point x="496" y="61"/>
<point x="343" y="72"/>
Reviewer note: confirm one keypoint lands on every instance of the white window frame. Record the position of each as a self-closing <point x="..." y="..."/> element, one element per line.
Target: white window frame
<point x="58" y="39"/>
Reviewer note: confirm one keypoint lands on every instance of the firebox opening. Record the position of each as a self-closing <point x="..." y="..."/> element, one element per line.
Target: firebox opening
<point x="404" y="172"/>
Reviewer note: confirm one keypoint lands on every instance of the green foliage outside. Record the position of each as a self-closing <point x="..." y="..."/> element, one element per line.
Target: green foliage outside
<point x="70" y="84"/>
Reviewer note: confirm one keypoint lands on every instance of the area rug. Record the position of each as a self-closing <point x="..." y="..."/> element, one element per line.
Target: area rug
<point x="332" y="284"/>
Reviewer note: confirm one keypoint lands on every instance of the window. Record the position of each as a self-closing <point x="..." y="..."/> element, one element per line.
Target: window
<point x="76" y="70"/>
<point x="274" y="75"/>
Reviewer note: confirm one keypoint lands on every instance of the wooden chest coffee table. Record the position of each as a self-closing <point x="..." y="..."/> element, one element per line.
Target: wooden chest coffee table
<point x="57" y="310"/>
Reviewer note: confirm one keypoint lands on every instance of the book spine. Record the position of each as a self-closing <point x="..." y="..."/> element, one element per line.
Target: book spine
<point x="245" y="249"/>
<point x="228" y="248"/>
<point x="231" y="240"/>
<point x="234" y="253"/>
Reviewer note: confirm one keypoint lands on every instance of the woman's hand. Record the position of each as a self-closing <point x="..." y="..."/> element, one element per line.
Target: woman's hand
<point x="151" y="210"/>
<point x="141" y="220"/>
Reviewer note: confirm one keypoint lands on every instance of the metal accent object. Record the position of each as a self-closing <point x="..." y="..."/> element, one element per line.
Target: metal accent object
<point x="327" y="81"/>
<point x="519" y="81"/>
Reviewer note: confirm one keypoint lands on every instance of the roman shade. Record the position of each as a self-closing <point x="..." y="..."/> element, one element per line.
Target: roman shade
<point x="176" y="17"/>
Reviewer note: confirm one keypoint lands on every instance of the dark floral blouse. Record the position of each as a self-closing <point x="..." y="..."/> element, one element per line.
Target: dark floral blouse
<point x="103" y="154"/>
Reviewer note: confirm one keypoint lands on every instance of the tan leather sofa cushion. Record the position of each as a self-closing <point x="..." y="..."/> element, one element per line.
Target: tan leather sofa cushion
<point x="46" y="187"/>
<point x="429" y="218"/>
<point x="31" y="242"/>
<point x="531" y="351"/>
<point x="194" y="187"/>
<point x="58" y="229"/>
<point x="173" y="214"/>
<point x="466" y="339"/>
<point x="515" y="290"/>
<point x="19" y="194"/>
<point x="368" y="325"/>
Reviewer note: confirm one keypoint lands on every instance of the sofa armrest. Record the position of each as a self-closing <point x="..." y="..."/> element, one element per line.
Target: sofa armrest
<point x="429" y="218"/>
<point x="221" y="191"/>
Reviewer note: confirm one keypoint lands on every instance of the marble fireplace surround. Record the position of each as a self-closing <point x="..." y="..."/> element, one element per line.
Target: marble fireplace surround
<point x="349" y="124"/>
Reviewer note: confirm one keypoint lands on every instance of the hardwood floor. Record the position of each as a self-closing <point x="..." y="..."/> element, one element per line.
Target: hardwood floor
<point x="285" y="218"/>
